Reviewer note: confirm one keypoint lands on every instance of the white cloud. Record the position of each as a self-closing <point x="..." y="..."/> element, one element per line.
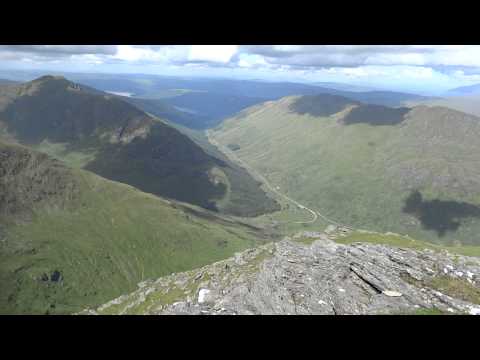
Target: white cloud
<point x="251" y="61"/>
<point x="464" y="78"/>
<point x="357" y="55"/>
<point x="431" y="66"/>
<point x="212" y="53"/>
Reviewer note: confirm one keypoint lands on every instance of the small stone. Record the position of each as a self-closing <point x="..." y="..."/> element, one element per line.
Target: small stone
<point x="474" y="311"/>
<point x="330" y="229"/>
<point x="391" y="293"/>
<point x="202" y="294"/>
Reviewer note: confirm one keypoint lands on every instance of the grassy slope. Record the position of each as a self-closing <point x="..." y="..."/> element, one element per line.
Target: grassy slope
<point x="104" y="242"/>
<point x="405" y="242"/>
<point x="358" y="174"/>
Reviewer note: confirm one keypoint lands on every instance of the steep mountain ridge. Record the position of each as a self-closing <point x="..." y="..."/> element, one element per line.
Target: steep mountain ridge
<point x="109" y="136"/>
<point x="56" y="109"/>
<point x="211" y="100"/>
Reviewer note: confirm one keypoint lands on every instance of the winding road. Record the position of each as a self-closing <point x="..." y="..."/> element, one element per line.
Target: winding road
<point x="233" y="157"/>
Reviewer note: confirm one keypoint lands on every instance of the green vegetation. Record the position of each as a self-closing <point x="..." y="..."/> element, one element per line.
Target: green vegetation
<point x="423" y="311"/>
<point x="152" y="296"/>
<point x="362" y="174"/>
<point x="60" y="151"/>
<point x="405" y="242"/>
<point x="454" y="287"/>
<point x="100" y="236"/>
<point x="458" y="288"/>
<point x="305" y="240"/>
<point x="385" y="239"/>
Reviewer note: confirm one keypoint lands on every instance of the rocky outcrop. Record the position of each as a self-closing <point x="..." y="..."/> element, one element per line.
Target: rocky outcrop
<point x="324" y="277"/>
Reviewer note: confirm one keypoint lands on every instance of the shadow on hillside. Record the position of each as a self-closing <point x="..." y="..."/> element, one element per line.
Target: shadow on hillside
<point x="439" y="215"/>
<point x="320" y="105"/>
<point x="375" y="115"/>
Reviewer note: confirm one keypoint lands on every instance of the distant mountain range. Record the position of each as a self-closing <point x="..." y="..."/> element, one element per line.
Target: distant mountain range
<point x="469" y="104"/>
<point x="345" y="87"/>
<point x="5" y="81"/>
<point x="464" y="90"/>
<point x="201" y="103"/>
<point x="465" y="99"/>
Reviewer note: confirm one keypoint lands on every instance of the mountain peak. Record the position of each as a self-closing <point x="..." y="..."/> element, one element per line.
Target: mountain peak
<point x="48" y="83"/>
<point x="48" y="78"/>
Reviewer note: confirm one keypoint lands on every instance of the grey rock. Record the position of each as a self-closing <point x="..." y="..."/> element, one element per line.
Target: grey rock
<point x="346" y="279"/>
<point x="325" y="277"/>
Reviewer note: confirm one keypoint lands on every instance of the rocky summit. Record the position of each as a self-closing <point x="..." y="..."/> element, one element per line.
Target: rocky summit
<point x="317" y="276"/>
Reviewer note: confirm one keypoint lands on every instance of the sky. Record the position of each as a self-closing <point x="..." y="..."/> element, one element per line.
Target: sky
<point x="427" y="69"/>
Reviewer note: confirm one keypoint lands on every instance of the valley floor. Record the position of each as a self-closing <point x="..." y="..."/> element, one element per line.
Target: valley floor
<point x="293" y="216"/>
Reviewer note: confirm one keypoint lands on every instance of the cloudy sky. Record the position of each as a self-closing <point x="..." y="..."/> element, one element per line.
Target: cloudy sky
<point x="416" y="68"/>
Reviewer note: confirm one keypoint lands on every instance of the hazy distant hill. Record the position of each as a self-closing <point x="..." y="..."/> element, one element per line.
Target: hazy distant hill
<point x="5" y="81"/>
<point x="230" y="98"/>
<point x="469" y="104"/>
<point x="413" y="171"/>
<point x="201" y="103"/>
<point x="345" y="87"/>
<point x="107" y="135"/>
<point x="212" y="106"/>
<point x="465" y="90"/>
<point x="70" y="239"/>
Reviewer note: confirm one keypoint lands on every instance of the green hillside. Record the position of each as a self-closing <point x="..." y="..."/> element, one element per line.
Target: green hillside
<point x="410" y="171"/>
<point x="71" y="239"/>
<point x="104" y="134"/>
